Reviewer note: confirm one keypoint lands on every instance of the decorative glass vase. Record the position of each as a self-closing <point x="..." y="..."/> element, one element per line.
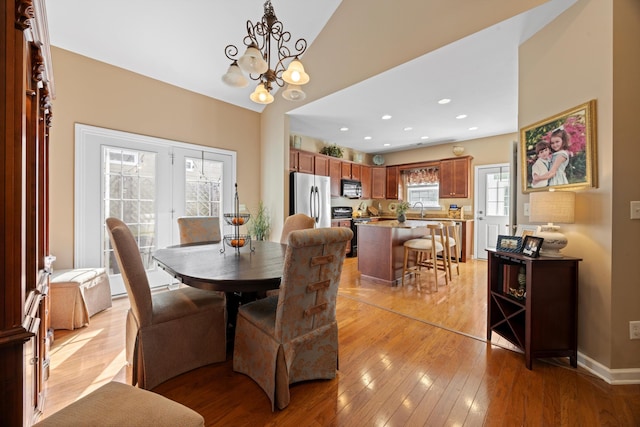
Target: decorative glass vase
<point x="402" y="217"/>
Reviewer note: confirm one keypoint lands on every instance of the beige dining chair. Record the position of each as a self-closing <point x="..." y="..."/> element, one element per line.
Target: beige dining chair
<point x="293" y="336"/>
<point x="293" y="222"/>
<point x="168" y="332"/>
<point x="425" y="251"/>
<point x="199" y="229"/>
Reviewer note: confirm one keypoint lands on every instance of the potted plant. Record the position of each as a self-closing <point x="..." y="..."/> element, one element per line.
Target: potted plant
<point x="260" y="224"/>
<point x="401" y="210"/>
<point x="331" y="150"/>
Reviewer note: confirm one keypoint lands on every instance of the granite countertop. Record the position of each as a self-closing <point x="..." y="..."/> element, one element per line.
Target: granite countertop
<point x="415" y="217"/>
<point x="396" y="224"/>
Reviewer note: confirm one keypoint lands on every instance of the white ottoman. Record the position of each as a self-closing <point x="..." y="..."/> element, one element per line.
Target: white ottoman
<point x="76" y="295"/>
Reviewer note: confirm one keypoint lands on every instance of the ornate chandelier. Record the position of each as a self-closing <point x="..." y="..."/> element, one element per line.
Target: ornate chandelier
<point x="265" y="41"/>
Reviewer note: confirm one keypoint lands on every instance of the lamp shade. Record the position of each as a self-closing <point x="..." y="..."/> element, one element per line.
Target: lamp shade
<point x="252" y="62"/>
<point x="234" y="76"/>
<point x="261" y="95"/>
<point x="295" y="73"/>
<point x="552" y="206"/>
<point x="293" y="93"/>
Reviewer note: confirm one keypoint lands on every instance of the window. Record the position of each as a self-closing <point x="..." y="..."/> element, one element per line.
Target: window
<point x="203" y="187"/>
<point x="497" y="193"/>
<point x="427" y="194"/>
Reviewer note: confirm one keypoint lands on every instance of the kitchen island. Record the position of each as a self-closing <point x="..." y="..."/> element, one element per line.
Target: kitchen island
<point x="381" y="250"/>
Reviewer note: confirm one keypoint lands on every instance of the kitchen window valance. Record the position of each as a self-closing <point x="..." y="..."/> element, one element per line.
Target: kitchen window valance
<point x="421" y="176"/>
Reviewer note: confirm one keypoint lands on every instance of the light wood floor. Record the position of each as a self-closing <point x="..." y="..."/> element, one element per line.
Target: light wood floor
<point x="406" y="358"/>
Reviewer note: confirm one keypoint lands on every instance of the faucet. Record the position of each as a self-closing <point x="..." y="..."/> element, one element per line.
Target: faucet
<point x="421" y="208"/>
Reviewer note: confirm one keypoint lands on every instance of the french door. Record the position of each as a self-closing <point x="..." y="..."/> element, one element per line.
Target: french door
<point x="148" y="183"/>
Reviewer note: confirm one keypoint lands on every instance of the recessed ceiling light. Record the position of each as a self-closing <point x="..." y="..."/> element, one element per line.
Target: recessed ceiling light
<point x="444" y="101"/>
<point x="424" y="137"/>
<point x="408" y="128"/>
<point x="344" y="129"/>
<point x="386" y="117"/>
<point x="387" y="144"/>
<point x="461" y="116"/>
<point x="367" y="138"/>
<point x="473" y="128"/>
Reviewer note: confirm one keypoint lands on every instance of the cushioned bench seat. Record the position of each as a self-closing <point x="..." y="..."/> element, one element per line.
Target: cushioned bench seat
<point x="76" y="295"/>
<point x="118" y="404"/>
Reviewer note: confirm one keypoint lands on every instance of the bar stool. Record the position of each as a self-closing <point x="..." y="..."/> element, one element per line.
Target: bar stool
<point x="449" y="239"/>
<point x="426" y="251"/>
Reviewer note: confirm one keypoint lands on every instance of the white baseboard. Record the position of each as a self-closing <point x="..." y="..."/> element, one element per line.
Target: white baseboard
<point x="611" y="376"/>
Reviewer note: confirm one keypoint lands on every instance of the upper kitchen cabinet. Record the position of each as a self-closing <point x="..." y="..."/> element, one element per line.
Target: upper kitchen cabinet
<point x="454" y="177"/>
<point x="346" y="170"/>
<point x="356" y="172"/>
<point x="335" y="173"/>
<point x="378" y="182"/>
<point x="393" y="179"/>
<point x="301" y="161"/>
<point x="365" y="179"/>
<point x="321" y="165"/>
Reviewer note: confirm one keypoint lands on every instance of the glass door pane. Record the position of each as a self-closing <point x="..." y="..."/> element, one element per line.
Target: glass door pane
<point x="130" y="195"/>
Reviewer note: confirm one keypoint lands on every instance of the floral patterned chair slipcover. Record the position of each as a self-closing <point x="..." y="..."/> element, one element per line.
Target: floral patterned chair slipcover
<point x="167" y="333"/>
<point x="197" y="229"/>
<point x="293" y="336"/>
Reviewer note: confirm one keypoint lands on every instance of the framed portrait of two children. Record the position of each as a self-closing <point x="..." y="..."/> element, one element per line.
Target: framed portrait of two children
<point x="560" y="152"/>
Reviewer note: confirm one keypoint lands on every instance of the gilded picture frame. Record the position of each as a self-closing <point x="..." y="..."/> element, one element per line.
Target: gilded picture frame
<point x="565" y="145"/>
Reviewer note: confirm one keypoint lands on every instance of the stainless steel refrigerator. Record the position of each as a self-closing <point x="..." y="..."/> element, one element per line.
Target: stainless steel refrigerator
<point x="311" y="195"/>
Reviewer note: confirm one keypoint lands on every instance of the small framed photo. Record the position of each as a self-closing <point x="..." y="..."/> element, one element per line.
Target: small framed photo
<point x="525" y="230"/>
<point x="531" y="246"/>
<point x="509" y="243"/>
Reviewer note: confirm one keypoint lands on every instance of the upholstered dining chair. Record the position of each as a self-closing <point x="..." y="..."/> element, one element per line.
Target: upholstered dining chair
<point x="293" y="336"/>
<point x="293" y="222"/>
<point x="199" y="229"/>
<point x="426" y="250"/>
<point x="169" y="332"/>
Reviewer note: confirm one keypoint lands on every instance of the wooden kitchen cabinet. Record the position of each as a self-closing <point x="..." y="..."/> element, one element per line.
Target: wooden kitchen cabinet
<point x="321" y="165"/>
<point x="345" y="168"/>
<point x="378" y="182"/>
<point x="335" y="173"/>
<point x="365" y="179"/>
<point x="301" y="161"/>
<point x="356" y="172"/>
<point x="454" y="177"/>
<point x="393" y="179"/>
<point x="545" y="322"/>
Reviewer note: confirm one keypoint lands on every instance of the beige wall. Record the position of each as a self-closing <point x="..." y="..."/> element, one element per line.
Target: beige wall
<point x="97" y="94"/>
<point x="566" y="64"/>
<point x="625" y="254"/>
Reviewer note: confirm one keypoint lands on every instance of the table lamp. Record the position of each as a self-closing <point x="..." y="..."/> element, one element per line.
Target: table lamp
<point x="552" y="206"/>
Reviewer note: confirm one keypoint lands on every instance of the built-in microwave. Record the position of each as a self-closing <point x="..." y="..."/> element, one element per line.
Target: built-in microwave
<point x="351" y="189"/>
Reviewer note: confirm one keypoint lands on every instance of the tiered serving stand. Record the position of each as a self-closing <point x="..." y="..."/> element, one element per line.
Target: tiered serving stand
<point x="236" y="219"/>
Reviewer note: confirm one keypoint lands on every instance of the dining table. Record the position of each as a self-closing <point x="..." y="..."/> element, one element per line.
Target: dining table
<point x="256" y="267"/>
<point x="243" y="274"/>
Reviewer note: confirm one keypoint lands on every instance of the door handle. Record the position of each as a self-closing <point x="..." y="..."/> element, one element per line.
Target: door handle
<point x="480" y="218"/>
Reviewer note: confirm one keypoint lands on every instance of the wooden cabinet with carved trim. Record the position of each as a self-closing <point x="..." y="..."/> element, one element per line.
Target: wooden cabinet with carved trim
<point x="301" y="161"/>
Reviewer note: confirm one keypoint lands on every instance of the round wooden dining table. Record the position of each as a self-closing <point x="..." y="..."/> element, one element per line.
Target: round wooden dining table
<point x="204" y="266"/>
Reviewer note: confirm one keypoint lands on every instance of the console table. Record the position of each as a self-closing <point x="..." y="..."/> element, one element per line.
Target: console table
<point x="544" y="323"/>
